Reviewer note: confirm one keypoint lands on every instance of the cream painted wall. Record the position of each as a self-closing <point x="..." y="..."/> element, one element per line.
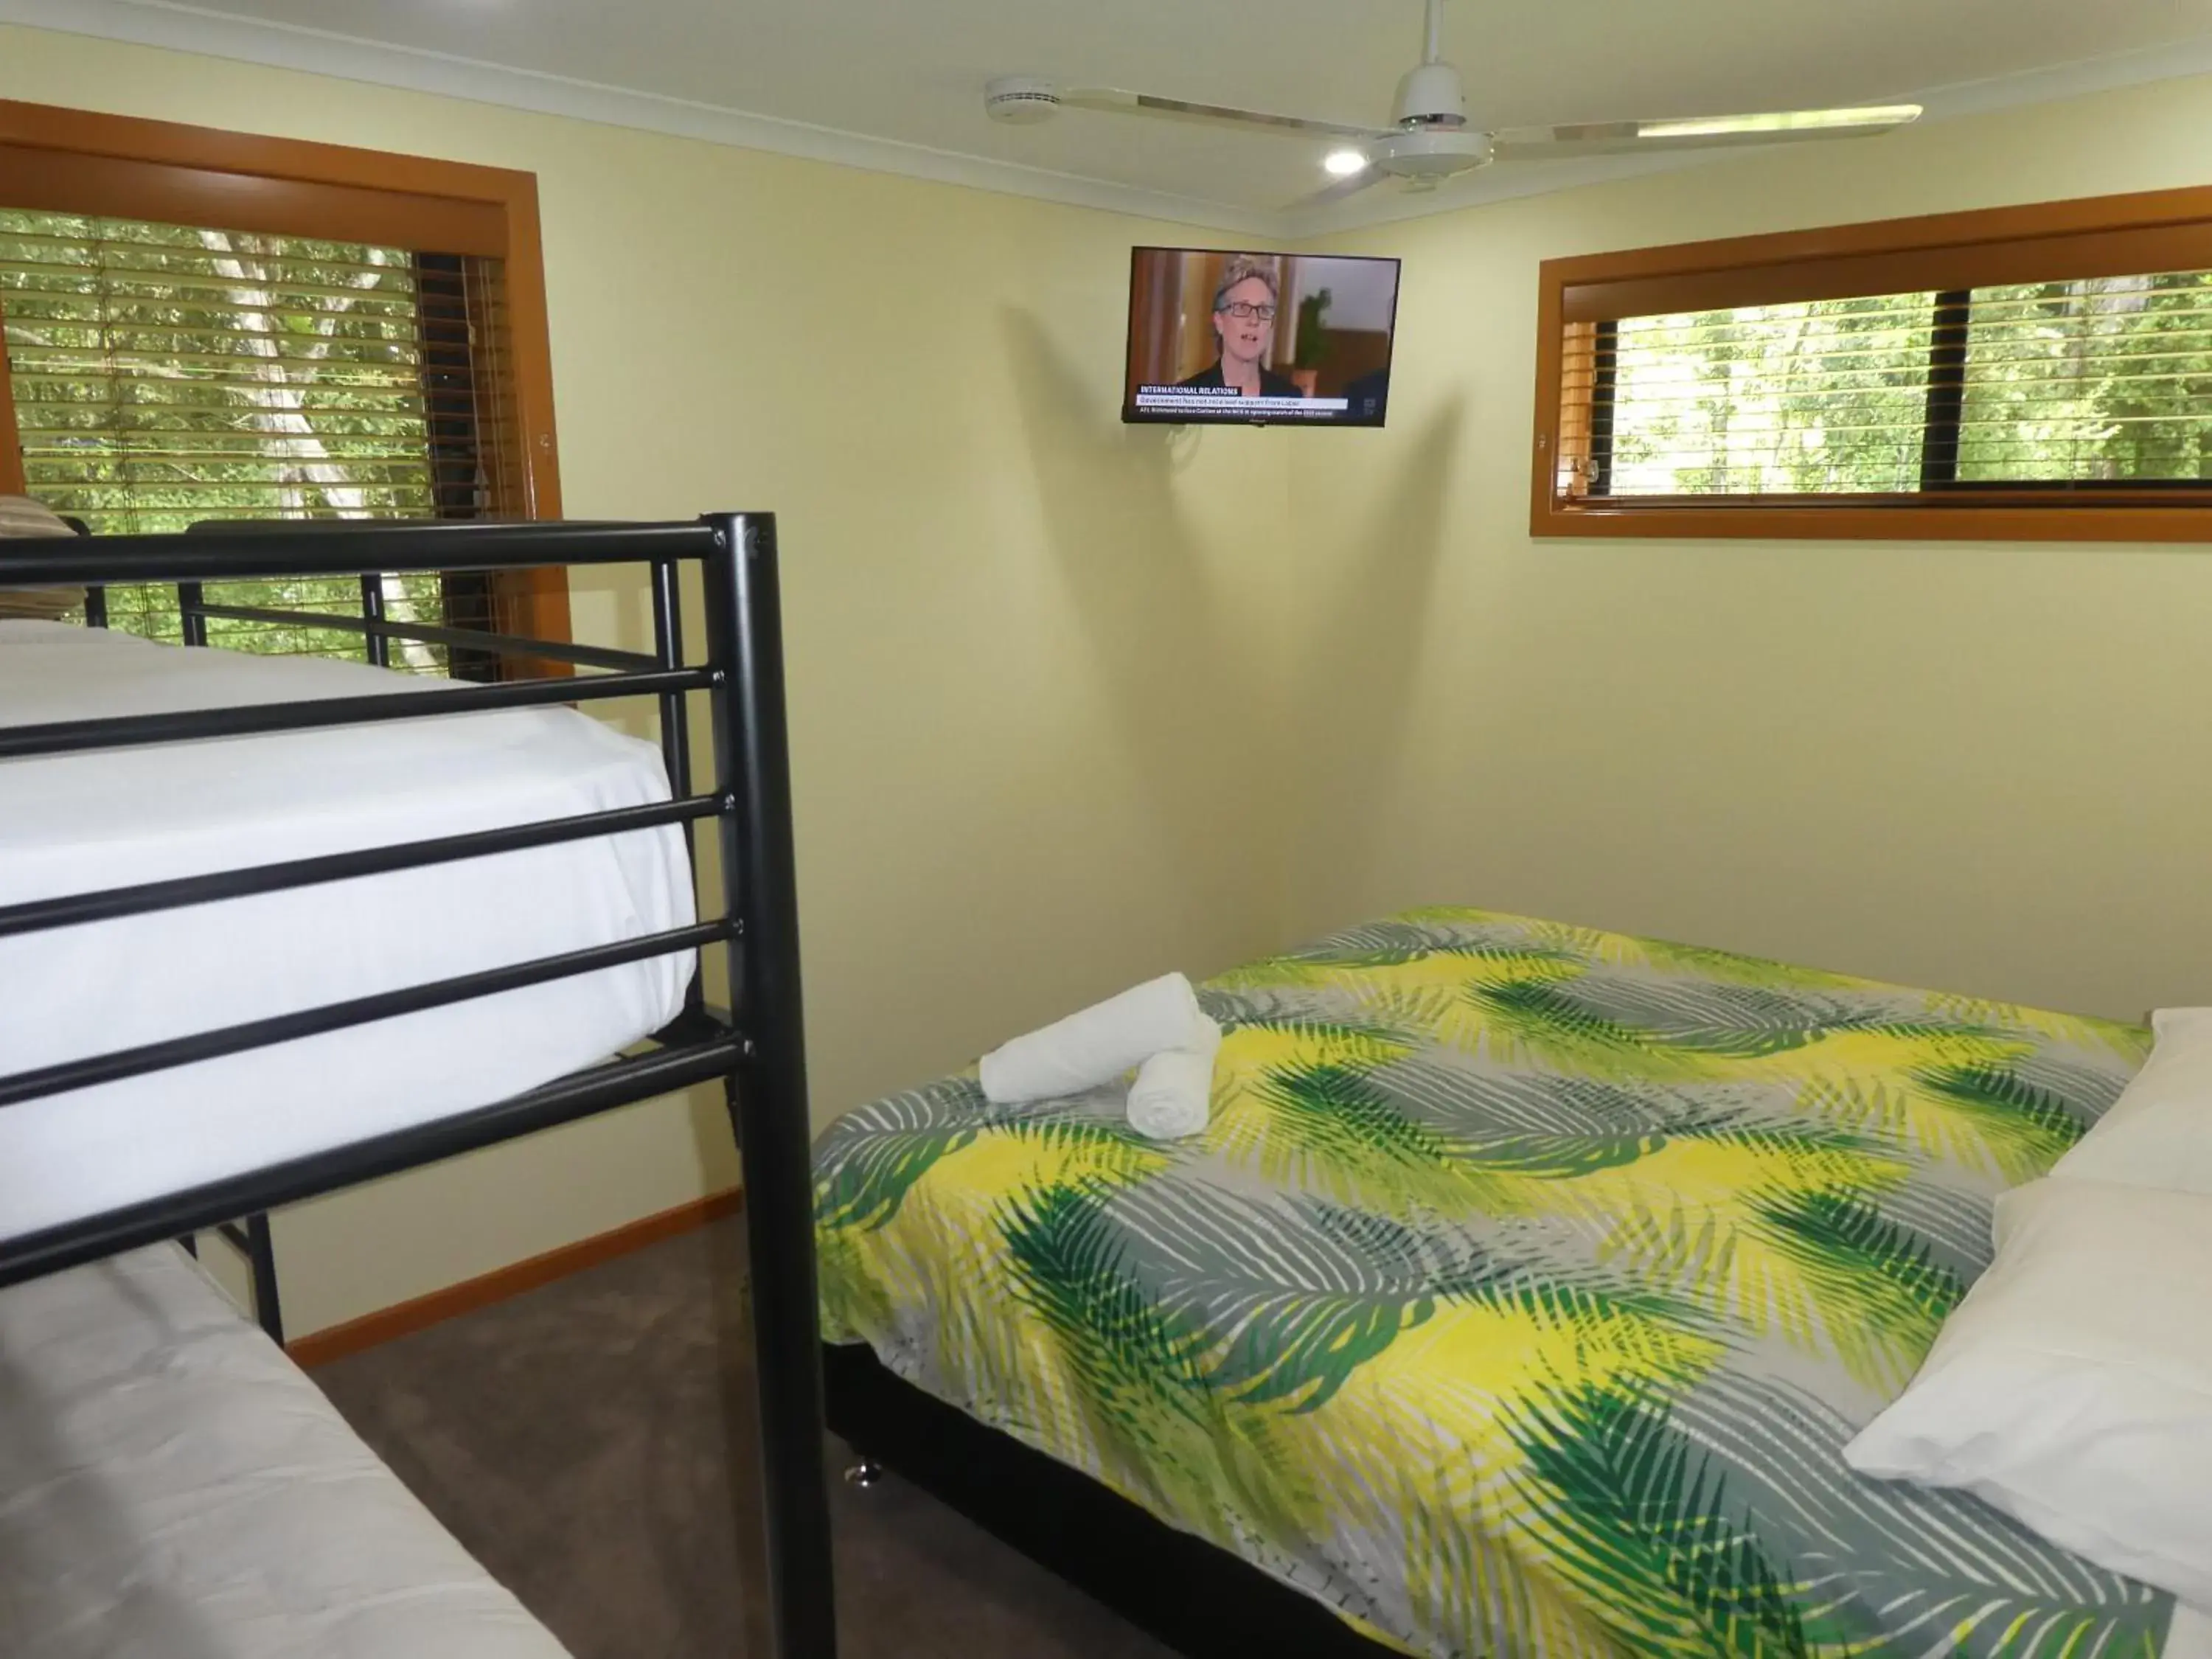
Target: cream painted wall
<point x="1032" y="717"/>
<point x="1049" y="674"/>
<point x="1985" y="767"/>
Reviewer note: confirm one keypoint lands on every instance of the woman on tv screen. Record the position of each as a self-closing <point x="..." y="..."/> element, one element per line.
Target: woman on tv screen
<point x="1243" y="323"/>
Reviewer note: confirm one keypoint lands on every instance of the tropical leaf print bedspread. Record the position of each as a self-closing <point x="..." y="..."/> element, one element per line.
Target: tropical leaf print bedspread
<point x="1521" y="1295"/>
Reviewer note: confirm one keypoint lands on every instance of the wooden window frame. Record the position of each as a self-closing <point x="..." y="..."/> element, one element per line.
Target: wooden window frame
<point x="2153" y="231"/>
<point x="71" y="160"/>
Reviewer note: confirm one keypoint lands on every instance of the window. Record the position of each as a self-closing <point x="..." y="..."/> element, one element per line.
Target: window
<point x="303" y="355"/>
<point x="2027" y="372"/>
<point x="163" y="375"/>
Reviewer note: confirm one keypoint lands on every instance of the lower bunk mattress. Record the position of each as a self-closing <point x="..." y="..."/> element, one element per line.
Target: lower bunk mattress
<point x="173" y="1488"/>
<point x="75" y="824"/>
<point x="1521" y="1295"/>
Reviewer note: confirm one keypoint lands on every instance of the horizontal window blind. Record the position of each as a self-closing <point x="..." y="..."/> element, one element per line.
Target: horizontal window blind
<point x="163" y="375"/>
<point x="1824" y="395"/>
<point x="2105" y="379"/>
<point x="2019" y="373"/>
<point x="2093" y="381"/>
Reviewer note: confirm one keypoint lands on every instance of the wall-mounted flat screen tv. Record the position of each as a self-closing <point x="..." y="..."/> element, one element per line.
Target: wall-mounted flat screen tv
<point x="1258" y="339"/>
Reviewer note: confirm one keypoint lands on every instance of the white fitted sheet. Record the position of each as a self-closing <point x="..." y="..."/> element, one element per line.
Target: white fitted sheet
<point x="79" y="823"/>
<point x="173" y="1488"/>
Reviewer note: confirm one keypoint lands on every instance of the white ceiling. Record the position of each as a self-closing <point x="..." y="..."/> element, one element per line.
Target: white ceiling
<point x="895" y="84"/>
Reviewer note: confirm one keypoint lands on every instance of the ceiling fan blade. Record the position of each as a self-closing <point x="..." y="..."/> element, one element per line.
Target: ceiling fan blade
<point x="1113" y="99"/>
<point x="1329" y="194"/>
<point x="1699" y="132"/>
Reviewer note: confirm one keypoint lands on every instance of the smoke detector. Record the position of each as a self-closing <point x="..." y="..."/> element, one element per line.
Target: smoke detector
<point x="1021" y="101"/>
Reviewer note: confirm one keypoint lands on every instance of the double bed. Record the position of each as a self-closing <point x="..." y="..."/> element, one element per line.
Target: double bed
<point x="1518" y="1299"/>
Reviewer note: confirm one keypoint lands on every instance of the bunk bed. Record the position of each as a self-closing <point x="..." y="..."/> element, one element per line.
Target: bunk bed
<point x="147" y="1113"/>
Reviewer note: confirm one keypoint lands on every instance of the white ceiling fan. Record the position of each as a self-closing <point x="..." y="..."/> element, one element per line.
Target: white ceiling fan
<point x="1432" y="140"/>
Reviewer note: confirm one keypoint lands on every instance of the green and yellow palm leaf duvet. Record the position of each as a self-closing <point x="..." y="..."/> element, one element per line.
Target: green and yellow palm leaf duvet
<point x="1521" y="1295"/>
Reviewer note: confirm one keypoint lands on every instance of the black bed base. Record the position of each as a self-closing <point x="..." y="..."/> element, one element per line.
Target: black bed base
<point x="756" y="1053"/>
<point x="1199" y="1600"/>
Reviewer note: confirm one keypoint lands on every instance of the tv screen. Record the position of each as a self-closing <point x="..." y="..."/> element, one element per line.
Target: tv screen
<point x="1259" y="339"/>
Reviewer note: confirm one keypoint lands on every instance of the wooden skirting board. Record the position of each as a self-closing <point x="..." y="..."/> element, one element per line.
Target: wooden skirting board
<point x="335" y="1342"/>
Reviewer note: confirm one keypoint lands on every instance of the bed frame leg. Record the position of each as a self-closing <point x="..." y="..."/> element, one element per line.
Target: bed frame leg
<point x="252" y="1239"/>
<point x="261" y="1260"/>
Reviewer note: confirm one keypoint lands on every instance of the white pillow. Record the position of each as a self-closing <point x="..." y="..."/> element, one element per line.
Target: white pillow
<point x="20" y="517"/>
<point x="2072" y="1388"/>
<point x="2159" y="1132"/>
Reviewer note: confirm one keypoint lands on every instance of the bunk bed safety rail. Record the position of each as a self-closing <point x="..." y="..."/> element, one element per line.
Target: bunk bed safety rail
<point x="757" y="1053"/>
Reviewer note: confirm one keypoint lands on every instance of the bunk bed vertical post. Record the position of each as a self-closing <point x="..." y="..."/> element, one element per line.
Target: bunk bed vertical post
<point x="261" y="1261"/>
<point x="675" y="720"/>
<point x="377" y="646"/>
<point x="768" y="1093"/>
<point x="191" y="620"/>
<point x="254" y="1240"/>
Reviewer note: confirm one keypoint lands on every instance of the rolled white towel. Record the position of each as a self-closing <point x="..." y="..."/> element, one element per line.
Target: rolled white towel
<point x="1173" y="1095"/>
<point x="1095" y="1045"/>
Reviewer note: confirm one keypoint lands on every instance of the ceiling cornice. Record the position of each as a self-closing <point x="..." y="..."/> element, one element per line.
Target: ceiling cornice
<point x="168" y="24"/>
<point x="282" y="46"/>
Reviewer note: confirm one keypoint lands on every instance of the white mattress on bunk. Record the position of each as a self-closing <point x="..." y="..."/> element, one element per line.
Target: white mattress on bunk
<point x="78" y="823"/>
<point x="173" y="1488"/>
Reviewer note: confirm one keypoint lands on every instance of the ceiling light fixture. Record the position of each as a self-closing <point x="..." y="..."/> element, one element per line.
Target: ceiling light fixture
<point x="1429" y="140"/>
<point x="1804" y="121"/>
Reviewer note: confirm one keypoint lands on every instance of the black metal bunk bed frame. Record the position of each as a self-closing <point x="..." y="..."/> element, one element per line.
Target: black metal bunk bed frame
<point x="757" y="1053"/>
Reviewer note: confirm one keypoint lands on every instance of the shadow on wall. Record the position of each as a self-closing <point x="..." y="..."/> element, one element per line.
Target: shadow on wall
<point x="1188" y="691"/>
<point x="1356" y="646"/>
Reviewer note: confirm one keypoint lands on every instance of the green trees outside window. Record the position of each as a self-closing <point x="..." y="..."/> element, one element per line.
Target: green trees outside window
<point x="2104" y="381"/>
<point x="166" y="374"/>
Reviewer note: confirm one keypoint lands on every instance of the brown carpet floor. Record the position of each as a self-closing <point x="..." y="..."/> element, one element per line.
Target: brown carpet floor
<point x="593" y="1445"/>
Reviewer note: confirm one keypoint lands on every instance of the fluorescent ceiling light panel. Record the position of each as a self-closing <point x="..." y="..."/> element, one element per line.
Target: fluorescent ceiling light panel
<point x="1799" y="120"/>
